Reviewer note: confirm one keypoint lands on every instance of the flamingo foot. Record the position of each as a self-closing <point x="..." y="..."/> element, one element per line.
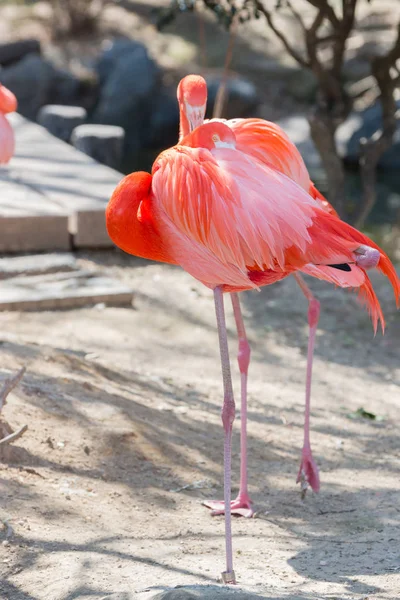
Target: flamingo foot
<point x="240" y="507"/>
<point x="308" y="473"/>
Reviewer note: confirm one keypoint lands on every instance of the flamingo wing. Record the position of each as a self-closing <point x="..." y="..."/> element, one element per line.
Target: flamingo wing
<point x="8" y="101"/>
<point x="245" y="214"/>
<point x="7" y="143"/>
<point x="268" y="143"/>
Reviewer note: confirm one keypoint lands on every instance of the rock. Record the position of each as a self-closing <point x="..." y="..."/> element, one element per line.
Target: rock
<point x="206" y="592"/>
<point x="302" y="85"/>
<point x="112" y="54"/>
<point x="30" y="79"/>
<point x="241" y="97"/>
<point x="104" y="143"/>
<point x="163" y="129"/>
<point x="13" y="52"/>
<point x="62" y="290"/>
<point x="118" y="596"/>
<point x="365" y="124"/>
<point x="129" y="81"/>
<point x="35" y="264"/>
<point x="356" y="68"/>
<point x="297" y="129"/>
<point x="65" y="88"/>
<point x="61" y="120"/>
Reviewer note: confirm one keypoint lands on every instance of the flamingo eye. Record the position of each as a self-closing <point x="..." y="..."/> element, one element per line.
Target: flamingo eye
<point x="215" y="138"/>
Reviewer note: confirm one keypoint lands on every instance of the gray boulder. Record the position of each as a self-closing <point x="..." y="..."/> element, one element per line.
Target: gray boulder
<point x="241" y="97"/>
<point x="163" y="127"/>
<point x="60" y="120"/>
<point x="104" y="143"/>
<point x="31" y="80"/>
<point x="205" y="592"/>
<point x="364" y="125"/>
<point x="128" y="80"/>
<point x="112" y="54"/>
<point x="13" y="51"/>
<point x="65" y="88"/>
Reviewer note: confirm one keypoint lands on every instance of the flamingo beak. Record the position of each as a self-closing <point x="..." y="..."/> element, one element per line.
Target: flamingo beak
<point x="195" y="115"/>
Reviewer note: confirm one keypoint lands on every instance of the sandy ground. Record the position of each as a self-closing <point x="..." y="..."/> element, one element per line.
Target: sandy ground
<point x="125" y="441"/>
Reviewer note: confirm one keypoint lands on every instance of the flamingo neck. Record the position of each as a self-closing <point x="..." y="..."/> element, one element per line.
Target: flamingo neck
<point x="184" y="125"/>
<point x="130" y="222"/>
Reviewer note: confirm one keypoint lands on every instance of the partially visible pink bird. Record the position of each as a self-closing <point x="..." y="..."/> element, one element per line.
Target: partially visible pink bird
<point x="8" y="103"/>
<point x="269" y="144"/>
<point x="235" y="224"/>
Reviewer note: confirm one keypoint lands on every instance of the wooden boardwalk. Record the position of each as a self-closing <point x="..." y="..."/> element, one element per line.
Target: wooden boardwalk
<point x="52" y="197"/>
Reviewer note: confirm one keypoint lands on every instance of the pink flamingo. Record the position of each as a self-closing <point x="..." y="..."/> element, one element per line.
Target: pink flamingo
<point x="235" y="224"/>
<point x="8" y="103"/>
<point x="268" y="143"/>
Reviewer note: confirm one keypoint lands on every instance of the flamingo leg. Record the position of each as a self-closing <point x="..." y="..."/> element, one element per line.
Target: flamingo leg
<point x="308" y="473"/>
<point x="241" y="506"/>
<point x="228" y="416"/>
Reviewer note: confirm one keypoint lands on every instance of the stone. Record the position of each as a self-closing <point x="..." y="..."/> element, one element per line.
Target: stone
<point x="302" y="85"/>
<point x="35" y="264"/>
<point x="129" y="79"/>
<point x="29" y="222"/>
<point x="206" y="592"/>
<point x="241" y="98"/>
<point x="66" y="89"/>
<point x="62" y="290"/>
<point x="297" y="129"/>
<point x="104" y="143"/>
<point x="31" y="80"/>
<point x="113" y="51"/>
<point x="163" y="127"/>
<point x="118" y="596"/>
<point x="61" y="120"/>
<point x="12" y="52"/>
<point x="60" y="181"/>
<point x="363" y="125"/>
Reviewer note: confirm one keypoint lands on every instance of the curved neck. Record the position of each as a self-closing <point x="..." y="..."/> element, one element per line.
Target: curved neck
<point x="184" y="125"/>
<point x="130" y="223"/>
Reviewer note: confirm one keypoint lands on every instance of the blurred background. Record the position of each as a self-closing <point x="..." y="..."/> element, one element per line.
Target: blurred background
<point x="332" y="64"/>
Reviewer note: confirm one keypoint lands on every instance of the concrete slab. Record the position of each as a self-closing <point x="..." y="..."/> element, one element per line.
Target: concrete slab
<point x="28" y="220"/>
<point x="62" y="290"/>
<point x="65" y="178"/>
<point x="36" y="264"/>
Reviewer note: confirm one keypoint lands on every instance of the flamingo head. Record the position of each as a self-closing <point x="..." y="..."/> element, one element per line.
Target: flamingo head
<point x="211" y="135"/>
<point x="8" y="102"/>
<point x="130" y="222"/>
<point x="192" y="98"/>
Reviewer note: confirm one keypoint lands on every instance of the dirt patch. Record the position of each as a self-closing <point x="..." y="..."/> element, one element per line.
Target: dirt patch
<point x="125" y="441"/>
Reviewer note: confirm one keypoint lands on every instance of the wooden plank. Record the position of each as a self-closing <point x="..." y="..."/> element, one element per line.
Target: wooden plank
<point x="28" y="220"/>
<point x="62" y="290"/>
<point x="35" y="264"/>
<point x="65" y="177"/>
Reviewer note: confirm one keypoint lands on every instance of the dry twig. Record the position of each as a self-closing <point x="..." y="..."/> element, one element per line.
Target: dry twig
<point x="13" y="436"/>
<point x="9" y="385"/>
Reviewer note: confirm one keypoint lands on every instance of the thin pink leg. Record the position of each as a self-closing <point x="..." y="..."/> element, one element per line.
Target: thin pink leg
<point x="241" y="506"/>
<point x="308" y="472"/>
<point x="228" y="416"/>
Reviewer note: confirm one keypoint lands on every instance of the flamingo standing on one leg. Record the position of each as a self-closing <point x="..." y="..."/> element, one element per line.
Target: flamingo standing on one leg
<point x="8" y="103"/>
<point x="268" y="143"/>
<point x="235" y="224"/>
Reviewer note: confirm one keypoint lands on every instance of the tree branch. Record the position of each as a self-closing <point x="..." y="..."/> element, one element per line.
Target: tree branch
<point x="9" y="385"/>
<point x="293" y="53"/>
<point x="372" y="149"/>
<point x="296" y="15"/>
<point x="13" y="436"/>
<point x="328" y="11"/>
